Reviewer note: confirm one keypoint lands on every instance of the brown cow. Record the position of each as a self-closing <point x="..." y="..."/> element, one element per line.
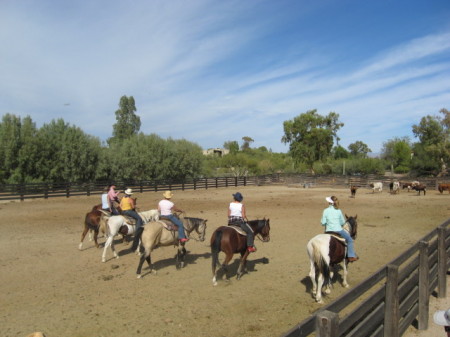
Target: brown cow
<point x="419" y="188"/>
<point x="444" y="187"/>
<point x="353" y="189"/>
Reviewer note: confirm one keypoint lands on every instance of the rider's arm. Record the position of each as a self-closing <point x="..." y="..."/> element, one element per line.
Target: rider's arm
<point x="244" y="216"/>
<point x="175" y="209"/>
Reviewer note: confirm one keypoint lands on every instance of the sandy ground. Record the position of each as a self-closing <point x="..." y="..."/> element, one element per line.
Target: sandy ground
<point x="49" y="285"/>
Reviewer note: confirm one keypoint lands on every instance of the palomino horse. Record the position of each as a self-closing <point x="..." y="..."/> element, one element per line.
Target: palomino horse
<point x="156" y="234"/>
<point x="325" y="251"/>
<point x="119" y="224"/>
<point x="228" y="240"/>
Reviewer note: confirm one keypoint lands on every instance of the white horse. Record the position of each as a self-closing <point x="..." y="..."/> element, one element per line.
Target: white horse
<point x="325" y="251"/>
<point x="119" y="224"/>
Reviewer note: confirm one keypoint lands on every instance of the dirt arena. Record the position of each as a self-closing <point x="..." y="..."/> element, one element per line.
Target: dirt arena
<point x="49" y="285"/>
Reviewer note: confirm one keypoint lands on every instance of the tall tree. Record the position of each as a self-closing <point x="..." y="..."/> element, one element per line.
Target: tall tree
<point x="359" y="149"/>
<point x="310" y="136"/>
<point x="128" y="123"/>
<point x="432" y="154"/>
<point x="246" y="142"/>
<point x="397" y="152"/>
<point x="233" y="146"/>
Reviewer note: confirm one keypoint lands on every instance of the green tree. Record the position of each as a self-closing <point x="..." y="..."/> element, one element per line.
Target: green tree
<point x="231" y="145"/>
<point x="10" y="144"/>
<point x="339" y="152"/>
<point x="432" y="153"/>
<point x="397" y="152"/>
<point x="359" y="149"/>
<point x="246" y="143"/>
<point x="310" y="136"/>
<point x="128" y="123"/>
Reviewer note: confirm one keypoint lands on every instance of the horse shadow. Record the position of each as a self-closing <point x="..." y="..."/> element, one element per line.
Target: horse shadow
<point x="170" y="262"/>
<point x="337" y="278"/>
<point x="232" y="268"/>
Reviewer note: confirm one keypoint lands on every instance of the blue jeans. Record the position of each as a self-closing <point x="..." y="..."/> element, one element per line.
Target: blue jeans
<point x="135" y="216"/>
<point x="177" y="222"/>
<point x="349" y="240"/>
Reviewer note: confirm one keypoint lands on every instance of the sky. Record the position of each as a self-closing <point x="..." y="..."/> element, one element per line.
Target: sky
<point x="212" y="71"/>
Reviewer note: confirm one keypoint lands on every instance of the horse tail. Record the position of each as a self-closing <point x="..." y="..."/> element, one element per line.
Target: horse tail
<point x="319" y="261"/>
<point x="215" y="249"/>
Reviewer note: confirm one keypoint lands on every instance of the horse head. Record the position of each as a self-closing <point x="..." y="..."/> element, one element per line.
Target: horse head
<point x="261" y="228"/>
<point x="352" y="225"/>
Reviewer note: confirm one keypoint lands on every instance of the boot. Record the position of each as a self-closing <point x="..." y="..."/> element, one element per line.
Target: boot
<point x="136" y="239"/>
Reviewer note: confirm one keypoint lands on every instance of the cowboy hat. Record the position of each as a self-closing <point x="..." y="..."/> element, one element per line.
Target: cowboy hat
<point x="167" y="194"/>
<point x="128" y="191"/>
<point x="238" y="197"/>
<point x="329" y="200"/>
<point x="442" y="317"/>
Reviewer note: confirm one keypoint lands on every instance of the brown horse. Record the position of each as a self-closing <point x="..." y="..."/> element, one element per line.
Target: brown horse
<point x="325" y="251"/>
<point x="93" y="221"/>
<point x="228" y="240"/>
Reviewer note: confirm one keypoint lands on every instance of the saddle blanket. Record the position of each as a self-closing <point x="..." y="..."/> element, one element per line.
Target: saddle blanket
<point x="168" y="225"/>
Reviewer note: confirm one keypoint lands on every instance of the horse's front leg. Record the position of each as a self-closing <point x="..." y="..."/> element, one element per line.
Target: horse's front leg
<point x="180" y="257"/>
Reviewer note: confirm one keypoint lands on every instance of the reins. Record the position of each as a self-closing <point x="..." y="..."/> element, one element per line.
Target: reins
<point x="259" y="235"/>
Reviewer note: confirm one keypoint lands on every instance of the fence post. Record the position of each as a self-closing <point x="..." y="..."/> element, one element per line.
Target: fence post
<point x="217" y="184"/>
<point x="195" y="184"/>
<point x="424" y="293"/>
<point x="46" y="191"/>
<point x="391" y="312"/>
<point x="327" y="324"/>
<point x="442" y="262"/>
<point x="22" y="193"/>
<point x="88" y="190"/>
<point x="141" y="186"/>
<point x="67" y="190"/>
<point x="235" y="181"/>
<point x="206" y="183"/>
<point x="226" y="181"/>
<point x="245" y="181"/>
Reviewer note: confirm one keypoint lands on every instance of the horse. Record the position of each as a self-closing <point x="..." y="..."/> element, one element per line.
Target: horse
<point x="419" y="188"/>
<point x="394" y="187"/>
<point x="325" y="251"/>
<point x="353" y="189"/>
<point x="126" y="226"/>
<point x="163" y="233"/>
<point x="444" y="187"/>
<point x="230" y="241"/>
<point x="94" y="221"/>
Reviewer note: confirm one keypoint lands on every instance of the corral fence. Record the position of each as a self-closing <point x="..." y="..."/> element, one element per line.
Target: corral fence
<point x="68" y="189"/>
<point x="393" y="298"/>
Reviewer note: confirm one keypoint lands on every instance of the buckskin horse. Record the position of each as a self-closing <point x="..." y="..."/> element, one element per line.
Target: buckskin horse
<point x="163" y="233"/>
<point x="228" y="240"/>
<point x="326" y="251"/>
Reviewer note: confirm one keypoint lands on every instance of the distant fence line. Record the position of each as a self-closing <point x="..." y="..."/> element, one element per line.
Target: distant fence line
<point x="69" y="189"/>
<point x="389" y="301"/>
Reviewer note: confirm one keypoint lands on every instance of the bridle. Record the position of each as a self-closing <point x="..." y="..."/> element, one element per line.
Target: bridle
<point x="260" y="235"/>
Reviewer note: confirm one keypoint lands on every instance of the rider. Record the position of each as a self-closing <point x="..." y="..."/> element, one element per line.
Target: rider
<point x="333" y="220"/>
<point x="129" y="208"/>
<point x="236" y="215"/>
<point x="165" y="208"/>
<point x="105" y="203"/>
<point x="113" y="197"/>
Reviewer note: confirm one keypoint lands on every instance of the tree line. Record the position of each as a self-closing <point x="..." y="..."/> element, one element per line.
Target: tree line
<point x="58" y="151"/>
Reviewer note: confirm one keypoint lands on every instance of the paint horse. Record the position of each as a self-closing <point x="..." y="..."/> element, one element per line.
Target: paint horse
<point x="326" y="251"/>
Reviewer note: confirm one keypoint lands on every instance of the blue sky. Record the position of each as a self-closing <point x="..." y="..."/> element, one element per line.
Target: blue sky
<point x="214" y="71"/>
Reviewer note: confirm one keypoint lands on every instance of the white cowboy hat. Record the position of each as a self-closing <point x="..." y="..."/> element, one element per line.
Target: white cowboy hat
<point x="329" y="200"/>
<point x="442" y="317"/>
<point x="128" y="191"/>
<point x="167" y="194"/>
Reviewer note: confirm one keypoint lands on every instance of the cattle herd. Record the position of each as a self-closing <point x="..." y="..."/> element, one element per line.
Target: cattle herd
<point x="395" y="186"/>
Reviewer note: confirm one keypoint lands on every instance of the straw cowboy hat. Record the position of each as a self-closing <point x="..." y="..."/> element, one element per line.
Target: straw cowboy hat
<point x="128" y="191"/>
<point x="167" y="194"/>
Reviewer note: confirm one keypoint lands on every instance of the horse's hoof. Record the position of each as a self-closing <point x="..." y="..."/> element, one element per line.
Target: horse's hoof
<point x="80" y="246"/>
<point x="103" y="260"/>
<point x="139" y="276"/>
<point x="117" y="256"/>
<point x="214" y="284"/>
<point x="327" y="291"/>
<point x="346" y="285"/>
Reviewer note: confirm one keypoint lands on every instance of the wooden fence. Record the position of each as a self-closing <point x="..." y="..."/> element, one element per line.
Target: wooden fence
<point x="389" y="301"/>
<point x="68" y="189"/>
<point x="33" y="191"/>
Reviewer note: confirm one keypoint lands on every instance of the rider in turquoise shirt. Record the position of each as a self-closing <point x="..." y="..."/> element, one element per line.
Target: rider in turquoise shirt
<point x="333" y="220"/>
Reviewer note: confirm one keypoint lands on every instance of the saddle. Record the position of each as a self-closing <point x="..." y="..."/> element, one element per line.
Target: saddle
<point x="238" y="229"/>
<point x="168" y="224"/>
<point x="337" y="236"/>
